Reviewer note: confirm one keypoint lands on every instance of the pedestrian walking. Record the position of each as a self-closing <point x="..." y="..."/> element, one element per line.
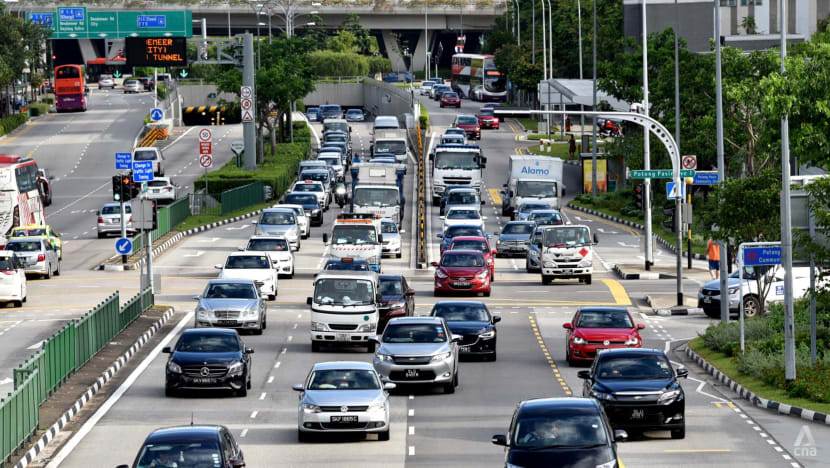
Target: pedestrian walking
<point x="571" y="146"/>
<point x="567" y="124"/>
<point x="713" y="252"/>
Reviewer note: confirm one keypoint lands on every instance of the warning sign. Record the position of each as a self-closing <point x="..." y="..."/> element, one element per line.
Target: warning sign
<point x="247" y="116"/>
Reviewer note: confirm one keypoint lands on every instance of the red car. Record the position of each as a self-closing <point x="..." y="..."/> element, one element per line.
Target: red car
<point x="469" y="123"/>
<point x="487" y="118"/>
<point x="596" y="328"/>
<point x="450" y="100"/>
<point x="480" y="244"/>
<point x="462" y="271"/>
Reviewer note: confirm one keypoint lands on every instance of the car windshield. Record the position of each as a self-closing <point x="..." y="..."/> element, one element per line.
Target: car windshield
<point x="300" y="199"/>
<point x="307" y="188"/>
<point x="375" y="196"/>
<point x="247" y="262"/>
<point x="208" y="343"/>
<point x="486" y="112"/>
<point x="158" y="183"/>
<point x="481" y="246"/>
<point x="343" y="379"/>
<point x="456" y="160"/>
<point x="463" y="214"/>
<point x="566" y="237"/>
<point x="316" y="176"/>
<point x="262" y="245"/>
<point x="391" y="287"/>
<point x="462" y="260"/>
<point x="230" y="291"/>
<point x="344" y="234"/>
<point x="604" y="319"/>
<point x="334" y="138"/>
<point x="547" y="218"/>
<point x="466" y="120"/>
<point x="645" y="366"/>
<point x="462" y="198"/>
<point x="130" y="82"/>
<point x="452" y="139"/>
<point x="536" y="188"/>
<point x="330" y="160"/>
<point x="180" y="455"/>
<point x="559" y="431"/>
<point x="115" y="209"/>
<point x="329" y="291"/>
<point x="277" y="217"/>
<point x="145" y="155"/>
<point x="449" y="95"/>
<point x="354" y="112"/>
<point x="388" y="228"/>
<point x="395" y="147"/>
<point x="528" y="207"/>
<point x="28" y="232"/>
<point x="517" y="228"/>
<point x="456" y="231"/>
<point x="415" y="333"/>
<point x="15" y="246"/>
<point x="346" y="266"/>
<point x="462" y="312"/>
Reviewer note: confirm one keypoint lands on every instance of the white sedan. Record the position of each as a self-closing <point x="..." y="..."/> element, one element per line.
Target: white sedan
<point x="256" y="266"/>
<point x="468" y="216"/>
<point x="13" y="280"/>
<point x="277" y="248"/>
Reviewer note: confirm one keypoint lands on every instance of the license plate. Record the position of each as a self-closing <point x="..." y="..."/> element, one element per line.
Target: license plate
<point x="465" y="348"/>
<point x="204" y="381"/>
<point x="344" y="419"/>
<point x="638" y="414"/>
<point x="156" y="190"/>
<point x="707" y="300"/>
<point x="226" y="322"/>
<point x="342" y="337"/>
<point x="115" y="220"/>
<point x="412" y="373"/>
<point x="461" y="283"/>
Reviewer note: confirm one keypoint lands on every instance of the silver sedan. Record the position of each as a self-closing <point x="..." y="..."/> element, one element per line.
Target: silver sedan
<point x="343" y="397"/>
<point x="230" y="303"/>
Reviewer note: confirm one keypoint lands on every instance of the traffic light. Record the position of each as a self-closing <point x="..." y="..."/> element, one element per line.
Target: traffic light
<point x="639" y="193"/>
<point x="117" y="189"/>
<point x="127" y="188"/>
<point x="669" y="224"/>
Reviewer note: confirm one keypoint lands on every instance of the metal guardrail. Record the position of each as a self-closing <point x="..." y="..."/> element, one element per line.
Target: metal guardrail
<point x="241" y="197"/>
<point x="167" y="218"/>
<point x="59" y="357"/>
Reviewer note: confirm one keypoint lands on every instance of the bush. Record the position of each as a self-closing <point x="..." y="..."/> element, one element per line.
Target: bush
<point x="162" y="90"/>
<point x="10" y="123"/>
<point x="38" y="108"/>
<point x="329" y="63"/>
<point x="379" y="65"/>
<point x="423" y="119"/>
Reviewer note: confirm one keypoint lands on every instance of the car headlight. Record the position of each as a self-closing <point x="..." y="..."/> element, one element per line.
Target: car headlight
<point x="733" y="291"/>
<point x="488" y="335"/>
<point x="315" y="211"/>
<point x="309" y="408"/>
<point x="611" y="464"/>
<point x="668" y="397"/>
<point x="632" y="341"/>
<point x="441" y="356"/>
<point x="202" y="313"/>
<point x="601" y="395"/>
<point x="398" y="305"/>
<point x="550" y="265"/>
<point x="235" y="368"/>
<point x="534" y="253"/>
<point x="174" y="368"/>
<point x="498" y="241"/>
<point x="319" y="326"/>
<point x="578" y="340"/>
<point x="483" y="274"/>
<point x="440" y="274"/>
<point x="384" y="357"/>
<point x="249" y="312"/>
<point x="367" y="327"/>
<point x="340" y="190"/>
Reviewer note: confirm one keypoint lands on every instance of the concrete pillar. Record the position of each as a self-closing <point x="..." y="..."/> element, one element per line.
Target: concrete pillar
<point x="87" y="50"/>
<point x="424" y="41"/>
<point x="392" y="51"/>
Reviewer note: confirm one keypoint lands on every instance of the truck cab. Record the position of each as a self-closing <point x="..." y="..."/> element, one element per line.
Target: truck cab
<point x="344" y="309"/>
<point x="456" y="165"/>
<point x="567" y="252"/>
<point x="356" y="235"/>
<point x="377" y="189"/>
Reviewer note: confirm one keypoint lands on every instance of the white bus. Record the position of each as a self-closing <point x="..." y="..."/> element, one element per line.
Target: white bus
<point x="476" y="77"/>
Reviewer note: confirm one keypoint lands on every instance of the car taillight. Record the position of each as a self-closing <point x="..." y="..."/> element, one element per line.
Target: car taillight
<point x="8" y="272"/>
<point x="41" y="257"/>
<point x="101" y="219"/>
<point x="169" y="187"/>
<point x="130" y="220"/>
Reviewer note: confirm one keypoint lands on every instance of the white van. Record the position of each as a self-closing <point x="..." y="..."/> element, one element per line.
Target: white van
<point x="149" y="153"/>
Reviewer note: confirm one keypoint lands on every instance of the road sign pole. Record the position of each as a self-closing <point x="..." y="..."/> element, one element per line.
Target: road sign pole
<point x="155" y="87"/>
<point x="740" y="262"/>
<point x="248" y="129"/>
<point x="678" y="206"/>
<point x="123" y="225"/>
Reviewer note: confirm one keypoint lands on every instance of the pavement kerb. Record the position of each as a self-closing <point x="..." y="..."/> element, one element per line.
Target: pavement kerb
<point x="772" y="405"/>
<point x="670" y="311"/>
<point x="105" y="377"/>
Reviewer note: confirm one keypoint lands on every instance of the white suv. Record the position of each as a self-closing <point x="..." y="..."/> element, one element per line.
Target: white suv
<point x="149" y="153"/>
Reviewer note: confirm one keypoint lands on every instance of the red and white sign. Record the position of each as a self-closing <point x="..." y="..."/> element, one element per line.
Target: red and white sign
<point x="204" y="134"/>
<point x="246" y="104"/>
<point x="583" y="251"/>
<point x="246" y="92"/>
<point x="206" y="161"/>
<point x="247" y="116"/>
<point x="205" y="147"/>
<point x="689" y="162"/>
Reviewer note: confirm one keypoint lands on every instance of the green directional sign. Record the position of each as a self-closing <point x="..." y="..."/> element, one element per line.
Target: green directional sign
<point x="660" y="174"/>
<point x="79" y="23"/>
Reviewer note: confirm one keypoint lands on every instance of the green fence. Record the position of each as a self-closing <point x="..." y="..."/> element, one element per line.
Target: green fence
<point x="59" y="357"/>
<point x="167" y="218"/>
<point x="241" y="197"/>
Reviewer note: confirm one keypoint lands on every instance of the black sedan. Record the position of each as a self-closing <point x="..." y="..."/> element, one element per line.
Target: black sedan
<point x="310" y="204"/>
<point x="397" y="299"/>
<point x="208" y="358"/>
<point x="638" y="389"/>
<point x="189" y="446"/>
<point x="560" y="432"/>
<point x="473" y="321"/>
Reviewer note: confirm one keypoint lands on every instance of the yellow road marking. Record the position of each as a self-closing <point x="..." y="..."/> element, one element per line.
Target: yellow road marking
<point x="496" y="196"/>
<point x="550" y="361"/>
<point x="618" y="291"/>
<point x="718" y="404"/>
<point x="697" y="450"/>
<point x="620" y="462"/>
<point x="595" y="218"/>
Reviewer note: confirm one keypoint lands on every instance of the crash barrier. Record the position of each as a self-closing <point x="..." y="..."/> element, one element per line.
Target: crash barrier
<point x="422" y="253"/>
<point x="168" y="217"/>
<point x="60" y="356"/>
<point x="153" y="135"/>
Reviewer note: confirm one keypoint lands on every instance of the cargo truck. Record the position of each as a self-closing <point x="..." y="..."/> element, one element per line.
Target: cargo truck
<point x="391" y="141"/>
<point x="456" y="165"/>
<point x="532" y="178"/>
<point x="377" y="189"/>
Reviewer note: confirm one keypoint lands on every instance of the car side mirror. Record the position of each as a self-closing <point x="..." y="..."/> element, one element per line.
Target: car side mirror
<point x="640" y="326"/>
<point x="567" y="325"/>
<point x="249" y="350"/>
<point x="196" y="297"/>
<point x="435" y="264"/>
<point x="494" y="251"/>
<point x="122" y="466"/>
<point x="325" y="238"/>
<point x="584" y="374"/>
<point x="374" y="339"/>
<point x="241" y="249"/>
<point x="308" y="300"/>
<point x="442" y="217"/>
<point x="499" y="439"/>
<point x="504" y="185"/>
<point x="440" y="236"/>
<point x="167" y="350"/>
<point x="457" y="338"/>
<point x="237" y="463"/>
<point x="389" y="386"/>
<point x="380" y="238"/>
<point x="496" y="319"/>
<point x="620" y="435"/>
<point x="98" y="213"/>
<point x="218" y="266"/>
<point x="682" y="372"/>
<point x="298" y="387"/>
<point x="482" y="202"/>
<point x="410" y="292"/>
<point x="51" y="177"/>
<point x="510" y="193"/>
<point x="596" y="239"/>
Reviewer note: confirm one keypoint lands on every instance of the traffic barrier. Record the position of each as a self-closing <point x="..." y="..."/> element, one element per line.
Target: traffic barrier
<point x="422" y="255"/>
<point x="61" y="356"/>
<point x="152" y="136"/>
<point x="241" y="197"/>
<point x="167" y="217"/>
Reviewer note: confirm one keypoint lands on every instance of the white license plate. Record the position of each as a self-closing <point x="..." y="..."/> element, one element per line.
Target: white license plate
<point x="156" y="190"/>
<point x="465" y="348"/>
<point x="342" y="337"/>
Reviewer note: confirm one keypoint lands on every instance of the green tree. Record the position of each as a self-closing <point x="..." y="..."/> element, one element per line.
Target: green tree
<point x="819" y="204"/>
<point x="343" y="42"/>
<point x="365" y="42"/>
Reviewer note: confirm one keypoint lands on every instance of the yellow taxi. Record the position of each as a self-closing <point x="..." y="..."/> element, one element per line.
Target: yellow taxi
<point x="39" y="230"/>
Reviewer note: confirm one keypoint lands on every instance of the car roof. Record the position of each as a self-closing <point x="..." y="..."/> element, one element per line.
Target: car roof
<point x="182" y="433"/>
<point x="464" y="189"/>
<point x="344" y="365"/>
<point x="464" y="115"/>
<point x="546" y="210"/>
<point x="230" y="281"/>
<point x="547" y="406"/>
<point x="114" y="204"/>
<point x="354" y="110"/>
<point x="481" y="303"/>
<point x="26" y="239"/>
<point x="390" y="277"/>
<point x="353" y="260"/>
<point x="458" y="226"/>
<point x="415" y="320"/>
<point x="288" y="205"/>
<point x="466" y="207"/>
<point x="209" y="331"/>
<point x="298" y="193"/>
<point x="520" y="222"/>
<point x="267" y="238"/>
<point x="280" y="210"/>
<point x="314" y="170"/>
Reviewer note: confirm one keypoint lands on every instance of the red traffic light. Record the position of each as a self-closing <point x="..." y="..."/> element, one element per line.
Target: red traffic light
<point x="54" y="56"/>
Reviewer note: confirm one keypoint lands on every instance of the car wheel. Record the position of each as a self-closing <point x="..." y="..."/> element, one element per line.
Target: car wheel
<point x="437" y="293"/>
<point x="258" y="331"/>
<point x="568" y="359"/>
<point x="587" y="279"/>
<point x="101" y="235"/>
<point x="58" y="269"/>
<point x="242" y="392"/>
<point x="169" y="392"/>
<point x="547" y="279"/>
<point x="679" y="433"/>
<point x="304" y="436"/>
<point x="383" y="436"/>
<point x="264" y="322"/>
<point x="17" y="303"/>
<point x="370" y="347"/>
<point x="271" y="297"/>
<point x="48" y="273"/>
<point x="315" y="346"/>
<point x="248" y="384"/>
<point x="487" y="293"/>
<point x="398" y="255"/>
<point x="449" y="388"/>
<point x="752" y="307"/>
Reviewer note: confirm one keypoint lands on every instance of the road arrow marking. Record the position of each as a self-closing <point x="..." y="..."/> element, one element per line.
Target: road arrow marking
<point x="606" y="232"/>
<point x="212" y="239"/>
<point x="6" y="381"/>
<point x="626" y="245"/>
<point x="197" y="254"/>
<point x="582" y="220"/>
<point x="37" y="345"/>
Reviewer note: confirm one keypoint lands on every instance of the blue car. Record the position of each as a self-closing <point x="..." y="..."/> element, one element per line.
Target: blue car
<point x="312" y="114"/>
<point x="460" y="230"/>
<point x="474" y="323"/>
<point x="515" y="238"/>
<point x="533" y="260"/>
<point x="205" y="442"/>
<point x="525" y="208"/>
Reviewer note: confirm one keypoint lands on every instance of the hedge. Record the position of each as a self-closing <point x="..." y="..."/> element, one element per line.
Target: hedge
<point x="38" y="108"/>
<point x="328" y="63"/>
<point x="10" y="123"/>
<point x="379" y="65"/>
<point x="423" y="119"/>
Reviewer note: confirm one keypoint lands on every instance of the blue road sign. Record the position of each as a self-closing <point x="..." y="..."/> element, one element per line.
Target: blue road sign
<point x="124" y="246"/>
<point x="706" y="178"/>
<point x="670" y="192"/>
<point x="123" y="161"/>
<point x="760" y="256"/>
<point x="156" y="114"/>
<point x="142" y="171"/>
<point x="151" y="21"/>
<point x="45" y="19"/>
<point x="71" y="14"/>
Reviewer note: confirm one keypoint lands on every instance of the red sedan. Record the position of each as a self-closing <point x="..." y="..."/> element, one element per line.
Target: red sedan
<point x="450" y="100"/>
<point x="468" y="123"/>
<point x="487" y="118"/>
<point x="480" y="244"/>
<point x="462" y="271"/>
<point x="596" y="328"/>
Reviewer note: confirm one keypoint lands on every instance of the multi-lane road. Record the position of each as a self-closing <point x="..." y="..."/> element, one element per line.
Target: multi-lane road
<point x="428" y="428"/>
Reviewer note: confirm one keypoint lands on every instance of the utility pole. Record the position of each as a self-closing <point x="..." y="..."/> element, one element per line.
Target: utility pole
<point x="248" y="128"/>
<point x="649" y="258"/>
<point x="581" y="106"/>
<point x="426" y="42"/>
<point x="724" y="254"/>
<point x="594" y="137"/>
<point x="533" y="21"/>
<point x="678" y="203"/>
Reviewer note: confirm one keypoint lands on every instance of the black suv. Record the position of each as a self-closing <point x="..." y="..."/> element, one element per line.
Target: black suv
<point x="183" y="446"/>
<point x="638" y="389"/>
<point x="208" y="358"/>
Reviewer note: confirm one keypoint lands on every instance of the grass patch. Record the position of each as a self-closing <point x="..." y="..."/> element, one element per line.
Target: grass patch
<point x="540" y="136"/>
<point x="559" y="150"/>
<point x="728" y="366"/>
<point x="194" y="221"/>
<point x="11" y="122"/>
<point x="406" y="85"/>
<point x="423" y="119"/>
<point x="532" y="124"/>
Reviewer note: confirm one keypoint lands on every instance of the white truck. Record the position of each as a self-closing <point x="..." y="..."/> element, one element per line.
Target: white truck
<point x="533" y="178"/>
<point x="344" y="309"/>
<point x="356" y="236"/>
<point x="455" y="164"/>
<point x="391" y="142"/>
<point x="377" y="189"/>
<point x="567" y="252"/>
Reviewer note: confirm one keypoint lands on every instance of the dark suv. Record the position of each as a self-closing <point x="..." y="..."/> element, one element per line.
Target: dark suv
<point x="184" y="446"/>
<point x="208" y="358"/>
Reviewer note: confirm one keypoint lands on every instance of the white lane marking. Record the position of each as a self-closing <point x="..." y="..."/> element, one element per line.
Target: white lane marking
<point x="277" y="365"/>
<point x="271" y="379"/>
<point x="237" y="228"/>
<point x="262" y="396"/>
<point x="111" y="401"/>
<point x="37" y="345"/>
<point x="254" y="413"/>
<point x="411" y="397"/>
<point x="198" y="253"/>
<point x="411" y="450"/>
<point x="290" y="338"/>
<point x="212" y="239"/>
<point x="295" y="326"/>
<point x="411" y="430"/>
<point x="243" y="433"/>
<point x="411" y="412"/>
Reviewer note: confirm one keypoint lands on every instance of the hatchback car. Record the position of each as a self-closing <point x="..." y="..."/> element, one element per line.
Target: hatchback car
<point x="397" y="299"/>
<point x="593" y="329"/>
<point x="341" y="397"/>
<point x="255" y="266"/>
<point x="436" y="91"/>
<point x="450" y="99"/>
<point x="425" y="87"/>
<point x="418" y="350"/>
<point x="463" y="215"/>
<point x="526" y="208"/>
<point x="391" y="237"/>
<point x="487" y="118"/>
<point x="162" y="189"/>
<point x="473" y="322"/>
<point x="560" y="432"/>
<point x="40" y="230"/>
<point x="109" y="219"/>
<point x="133" y="86"/>
<point x="13" y="287"/>
<point x="189" y="446"/>
<point x="514" y="238"/>
<point x="455" y="231"/>
<point x="231" y="303"/>
<point x="638" y="389"/>
<point x="546" y="217"/>
<point x="354" y="115"/>
<point x="453" y="139"/>
<point x="37" y="255"/>
<point x="150" y="153"/>
<point x="480" y="244"/>
<point x="312" y="114"/>
<point x="106" y="81"/>
<point x="469" y="123"/>
<point x="311" y="209"/>
<point x="280" y="222"/>
<point x="213" y="358"/>
<point x="462" y="271"/>
<point x="277" y="248"/>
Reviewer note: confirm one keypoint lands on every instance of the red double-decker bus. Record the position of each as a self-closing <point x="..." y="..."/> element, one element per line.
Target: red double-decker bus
<point x="69" y="88"/>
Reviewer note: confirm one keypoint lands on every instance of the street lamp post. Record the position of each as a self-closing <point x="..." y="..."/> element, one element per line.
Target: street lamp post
<point x="649" y="259"/>
<point x="581" y="106"/>
<point x="594" y="105"/>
